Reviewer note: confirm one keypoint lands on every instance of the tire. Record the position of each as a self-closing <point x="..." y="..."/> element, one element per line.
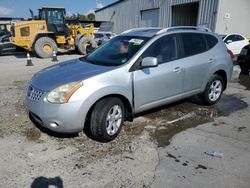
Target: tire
<point x="107" y="111"/>
<point x="85" y="44"/>
<point x="45" y="46"/>
<point x="214" y="90"/>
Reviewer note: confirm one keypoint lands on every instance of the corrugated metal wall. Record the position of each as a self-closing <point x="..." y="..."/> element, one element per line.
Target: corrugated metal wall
<point x="127" y="14"/>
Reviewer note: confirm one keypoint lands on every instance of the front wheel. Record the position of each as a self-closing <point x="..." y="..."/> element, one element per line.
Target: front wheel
<point x="214" y="90"/>
<point x="45" y="46"/>
<point x="107" y="119"/>
<point x="85" y="44"/>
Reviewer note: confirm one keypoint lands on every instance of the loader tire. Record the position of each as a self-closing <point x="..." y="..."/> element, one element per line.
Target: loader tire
<point x="85" y="44"/>
<point x="45" y="46"/>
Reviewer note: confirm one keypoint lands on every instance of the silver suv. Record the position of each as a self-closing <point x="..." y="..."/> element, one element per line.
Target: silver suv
<point x="136" y="71"/>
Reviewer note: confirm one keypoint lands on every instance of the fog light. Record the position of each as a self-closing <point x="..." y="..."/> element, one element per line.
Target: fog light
<point x="54" y="124"/>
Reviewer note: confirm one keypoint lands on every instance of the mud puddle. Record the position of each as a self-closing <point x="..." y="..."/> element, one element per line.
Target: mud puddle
<point x="245" y="81"/>
<point x="181" y="116"/>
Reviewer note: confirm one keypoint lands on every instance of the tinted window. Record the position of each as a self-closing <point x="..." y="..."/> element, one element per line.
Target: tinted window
<point x="164" y="49"/>
<point x="230" y="37"/>
<point x="238" y="38"/>
<point x="194" y="43"/>
<point x="211" y="41"/>
<point x="234" y="38"/>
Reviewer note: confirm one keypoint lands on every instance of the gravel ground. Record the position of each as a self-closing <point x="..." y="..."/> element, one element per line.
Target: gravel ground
<point x="31" y="157"/>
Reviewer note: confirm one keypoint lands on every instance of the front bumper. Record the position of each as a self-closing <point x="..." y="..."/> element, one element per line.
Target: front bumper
<point x="64" y="118"/>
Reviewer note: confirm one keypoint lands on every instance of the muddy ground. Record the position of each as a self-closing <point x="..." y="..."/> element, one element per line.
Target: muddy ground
<point x="34" y="157"/>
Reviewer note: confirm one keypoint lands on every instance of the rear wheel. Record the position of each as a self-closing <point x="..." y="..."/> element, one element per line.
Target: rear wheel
<point x="107" y="119"/>
<point x="85" y="44"/>
<point x="214" y="90"/>
<point x="45" y="46"/>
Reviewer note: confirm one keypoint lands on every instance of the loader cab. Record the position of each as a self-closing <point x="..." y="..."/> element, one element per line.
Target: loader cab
<point x="55" y="19"/>
<point x="3" y="29"/>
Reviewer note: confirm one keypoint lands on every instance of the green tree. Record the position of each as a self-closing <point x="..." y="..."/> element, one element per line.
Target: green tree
<point x="82" y="17"/>
<point x="91" y="17"/>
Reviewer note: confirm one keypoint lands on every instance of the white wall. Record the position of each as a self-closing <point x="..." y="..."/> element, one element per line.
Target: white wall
<point x="239" y="21"/>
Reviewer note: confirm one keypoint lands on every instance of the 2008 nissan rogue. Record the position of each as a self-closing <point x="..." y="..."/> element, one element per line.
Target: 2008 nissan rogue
<point x="136" y="71"/>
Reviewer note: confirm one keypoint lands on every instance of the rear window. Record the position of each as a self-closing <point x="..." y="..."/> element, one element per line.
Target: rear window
<point x="211" y="41"/>
<point x="194" y="43"/>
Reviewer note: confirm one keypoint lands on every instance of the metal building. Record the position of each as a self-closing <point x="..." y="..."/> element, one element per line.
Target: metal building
<point x="222" y="16"/>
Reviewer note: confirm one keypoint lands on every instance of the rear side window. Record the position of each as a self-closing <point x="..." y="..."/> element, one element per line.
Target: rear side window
<point x="234" y="38"/>
<point x="239" y="38"/>
<point x="211" y="41"/>
<point x="194" y="43"/>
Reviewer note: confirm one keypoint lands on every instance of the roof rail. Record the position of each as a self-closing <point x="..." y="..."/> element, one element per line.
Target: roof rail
<point x="139" y="29"/>
<point x="189" y="28"/>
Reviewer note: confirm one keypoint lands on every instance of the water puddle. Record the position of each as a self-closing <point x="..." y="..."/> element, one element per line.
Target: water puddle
<point x="181" y="116"/>
<point x="229" y="104"/>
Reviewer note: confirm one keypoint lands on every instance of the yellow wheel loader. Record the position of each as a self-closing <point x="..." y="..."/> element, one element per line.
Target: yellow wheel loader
<point x="51" y="33"/>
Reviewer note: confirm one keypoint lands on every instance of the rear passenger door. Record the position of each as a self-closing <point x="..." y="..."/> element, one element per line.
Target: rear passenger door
<point x="196" y="62"/>
<point x="156" y="86"/>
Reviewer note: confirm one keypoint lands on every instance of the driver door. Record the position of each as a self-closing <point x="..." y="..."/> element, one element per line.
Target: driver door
<point x="156" y="86"/>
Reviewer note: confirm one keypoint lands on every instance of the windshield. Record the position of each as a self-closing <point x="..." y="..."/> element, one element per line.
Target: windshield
<point x="55" y="17"/>
<point x="116" y="51"/>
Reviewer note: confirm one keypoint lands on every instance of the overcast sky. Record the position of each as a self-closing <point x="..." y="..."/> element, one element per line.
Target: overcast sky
<point x="20" y="8"/>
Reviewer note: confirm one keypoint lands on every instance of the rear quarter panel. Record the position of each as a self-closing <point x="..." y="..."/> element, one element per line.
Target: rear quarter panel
<point x="222" y="61"/>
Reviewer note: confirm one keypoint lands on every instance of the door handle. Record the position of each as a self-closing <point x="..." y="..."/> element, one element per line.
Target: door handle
<point x="177" y="69"/>
<point x="211" y="61"/>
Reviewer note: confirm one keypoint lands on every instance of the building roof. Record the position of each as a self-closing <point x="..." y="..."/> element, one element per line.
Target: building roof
<point x="110" y="5"/>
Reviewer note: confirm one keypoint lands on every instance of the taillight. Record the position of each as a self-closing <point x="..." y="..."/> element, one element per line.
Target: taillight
<point x="230" y="54"/>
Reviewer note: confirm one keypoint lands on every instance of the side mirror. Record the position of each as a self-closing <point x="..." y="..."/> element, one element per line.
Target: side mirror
<point x="149" y="62"/>
<point x="229" y="41"/>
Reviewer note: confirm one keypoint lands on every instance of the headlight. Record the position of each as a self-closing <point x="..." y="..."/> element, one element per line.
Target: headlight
<point x="63" y="93"/>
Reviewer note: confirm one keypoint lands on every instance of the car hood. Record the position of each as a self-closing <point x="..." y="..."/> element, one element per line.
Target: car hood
<point x="66" y="72"/>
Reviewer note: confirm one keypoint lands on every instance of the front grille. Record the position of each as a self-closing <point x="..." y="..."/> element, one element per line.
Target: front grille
<point x="35" y="94"/>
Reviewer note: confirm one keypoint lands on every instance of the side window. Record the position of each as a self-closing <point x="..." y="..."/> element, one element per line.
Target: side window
<point x="239" y="38"/>
<point x="211" y="41"/>
<point x="231" y="37"/>
<point x="194" y="43"/>
<point x="164" y="49"/>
